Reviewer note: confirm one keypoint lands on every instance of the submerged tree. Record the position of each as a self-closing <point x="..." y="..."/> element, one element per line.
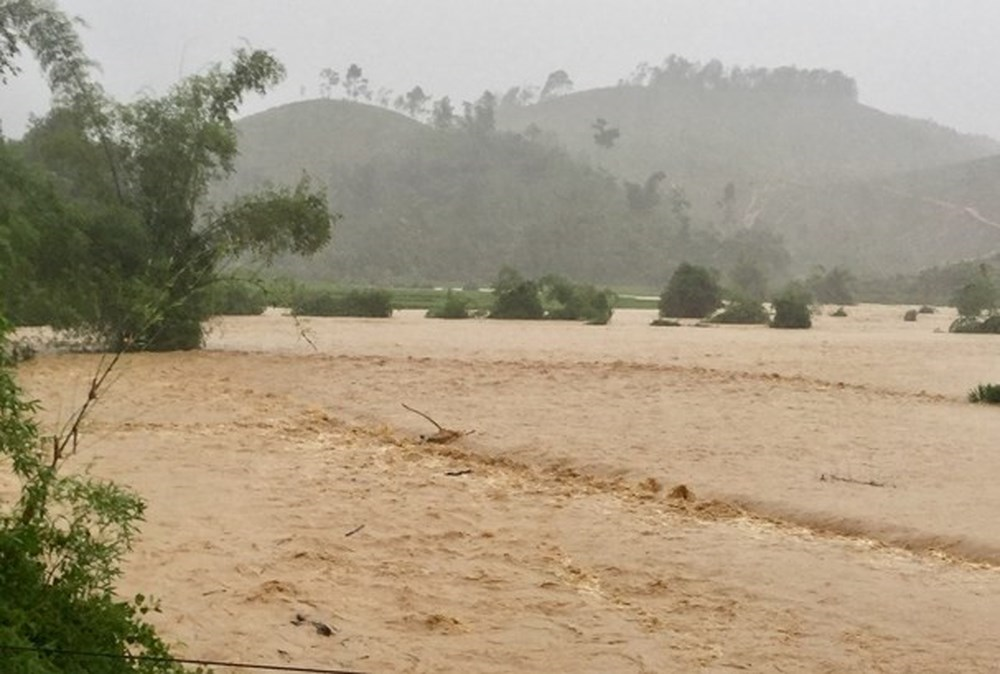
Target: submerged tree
<point x="693" y="292"/>
<point x="515" y="297"/>
<point x="977" y="295"/>
<point x="577" y="302"/>
<point x="558" y="83"/>
<point x="791" y="308"/>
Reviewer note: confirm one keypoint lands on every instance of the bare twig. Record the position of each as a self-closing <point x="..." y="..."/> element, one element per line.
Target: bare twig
<point x="354" y="530"/>
<point x="303" y="333"/>
<point x="70" y="435"/>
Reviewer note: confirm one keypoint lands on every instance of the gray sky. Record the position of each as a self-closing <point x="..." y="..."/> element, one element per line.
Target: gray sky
<point x="931" y="59"/>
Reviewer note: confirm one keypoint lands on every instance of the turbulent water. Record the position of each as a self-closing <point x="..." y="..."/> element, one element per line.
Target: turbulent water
<point x="842" y="509"/>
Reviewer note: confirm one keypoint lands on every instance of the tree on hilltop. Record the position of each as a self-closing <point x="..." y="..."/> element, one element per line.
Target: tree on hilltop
<point x="329" y="78"/>
<point x="480" y="117"/>
<point x="356" y="84"/>
<point x="443" y="114"/>
<point x="414" y="103"/>
<point x="558" y="83"/>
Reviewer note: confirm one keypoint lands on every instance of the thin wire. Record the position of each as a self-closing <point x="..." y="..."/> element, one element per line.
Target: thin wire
<point x="182" y="661"/>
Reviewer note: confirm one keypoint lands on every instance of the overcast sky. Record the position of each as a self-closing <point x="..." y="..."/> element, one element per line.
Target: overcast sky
<point x="933" y="59"/>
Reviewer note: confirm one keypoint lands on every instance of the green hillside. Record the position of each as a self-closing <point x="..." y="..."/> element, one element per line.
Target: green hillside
<point x="318" y="136"/>
<point x="455" y="205"/>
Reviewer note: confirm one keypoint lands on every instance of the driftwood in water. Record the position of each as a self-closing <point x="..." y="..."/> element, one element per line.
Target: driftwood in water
<point x="830" y="477"/>
<point x="443" y="435"/>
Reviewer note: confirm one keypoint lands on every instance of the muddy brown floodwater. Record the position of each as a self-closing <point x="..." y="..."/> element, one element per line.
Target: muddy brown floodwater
<point x="844" y="512"/>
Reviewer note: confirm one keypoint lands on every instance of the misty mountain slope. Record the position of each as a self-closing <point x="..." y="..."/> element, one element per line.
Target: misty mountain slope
<point x="705" y="138"/>
<point x="896" y="224"/>
<point x="970" y="185"/>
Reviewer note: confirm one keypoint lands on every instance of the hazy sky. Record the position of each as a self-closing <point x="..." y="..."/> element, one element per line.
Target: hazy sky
<point x="933" y="59"/>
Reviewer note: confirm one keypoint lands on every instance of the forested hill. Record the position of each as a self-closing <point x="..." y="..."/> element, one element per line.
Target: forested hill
<point x="618" y="185"/>
<point x="453" y="205"/>
<point x="704" y="137"/>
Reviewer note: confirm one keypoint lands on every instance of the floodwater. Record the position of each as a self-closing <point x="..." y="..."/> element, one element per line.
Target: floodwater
<point x="842" y="509"/>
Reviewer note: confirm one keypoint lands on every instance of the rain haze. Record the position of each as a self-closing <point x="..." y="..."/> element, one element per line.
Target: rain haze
<point x="921" y="58"/>
<point x="521" y="335"/>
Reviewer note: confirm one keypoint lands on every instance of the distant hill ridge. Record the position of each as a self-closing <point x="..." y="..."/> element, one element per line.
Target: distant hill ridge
<point x="690" y="132"/>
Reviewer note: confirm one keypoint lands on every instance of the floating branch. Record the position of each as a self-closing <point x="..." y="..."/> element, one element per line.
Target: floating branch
<point x="443" y="435"/>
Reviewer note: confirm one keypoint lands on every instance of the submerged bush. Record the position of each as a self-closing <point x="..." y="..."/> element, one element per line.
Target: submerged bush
<point x="910" y="315"/>
<point x="665" y="323"/>
<point x="575" y="302"/>
<point x="516" y="297"/>
<point x="839" y="313"/>
<point x="693" y="292"/>
<point x="598" y="306"/>
<point x="926" y="309"/>
<point x="455" y="305"/>
<point x="972" y="325"/>
<point x="985" y="393"/>
<point x="977" y="296"/>
<point x="370" y="303"/>
<point x="791" y="310"/>
<point x="742" y="312"/>
<point x="236" y="297"/>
